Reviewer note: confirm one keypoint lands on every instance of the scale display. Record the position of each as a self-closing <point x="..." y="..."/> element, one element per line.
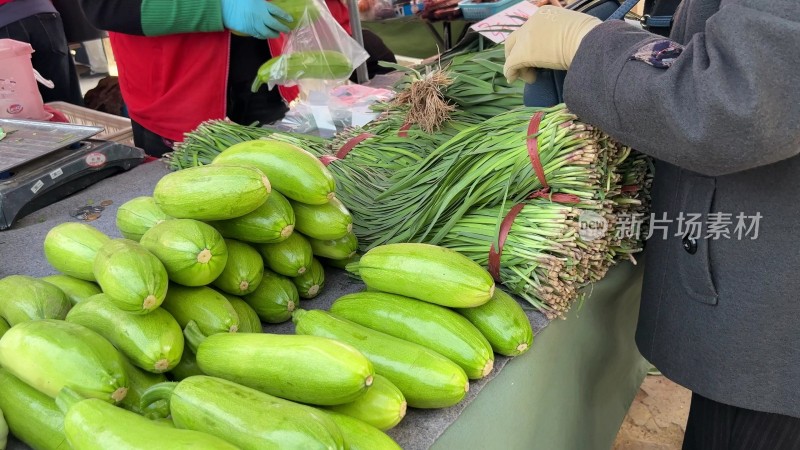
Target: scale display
<point x="27" y="140"/>
<point x="43" y="162"/>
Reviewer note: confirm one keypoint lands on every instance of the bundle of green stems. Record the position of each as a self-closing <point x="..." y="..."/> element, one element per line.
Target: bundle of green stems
<point x="482" y="167"/>
<point x="383" y="152"/>
<point x="545" y="258"/>
<point x="390" y="148"/>
<point x="201" y="145"/>
<point x="392" y="121"/>
<point x="632" y="207"/>
<point x="540" y="257"/>
<point x="478" y="85"/>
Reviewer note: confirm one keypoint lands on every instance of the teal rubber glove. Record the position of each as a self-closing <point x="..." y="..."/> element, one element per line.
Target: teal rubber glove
<point x="257" y="18"/>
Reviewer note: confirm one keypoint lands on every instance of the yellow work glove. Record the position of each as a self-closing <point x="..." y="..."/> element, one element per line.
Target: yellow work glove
<point x="549" y="40"/>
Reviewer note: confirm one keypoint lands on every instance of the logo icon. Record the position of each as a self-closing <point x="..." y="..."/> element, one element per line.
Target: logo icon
<point x="95" y="159"/>
<point x="592" y="226"/>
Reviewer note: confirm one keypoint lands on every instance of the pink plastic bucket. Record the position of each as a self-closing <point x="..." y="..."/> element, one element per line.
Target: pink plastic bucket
<point x="19" y="94"/>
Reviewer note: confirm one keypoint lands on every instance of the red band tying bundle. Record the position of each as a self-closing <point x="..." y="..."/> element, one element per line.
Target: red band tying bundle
<point x="536" y="162"/>
<point x="631" y="188"/>
<point x="351" y="144"/>
<point x="557" y="197"/>
<point x="403" y="131"/>
<point x="505" y="228"/>
<point x="533" y="149"/>
<point x="327" y="159"/>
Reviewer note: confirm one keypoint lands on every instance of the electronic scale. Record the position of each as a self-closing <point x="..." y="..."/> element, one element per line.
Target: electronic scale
<point x="44" y="162"/>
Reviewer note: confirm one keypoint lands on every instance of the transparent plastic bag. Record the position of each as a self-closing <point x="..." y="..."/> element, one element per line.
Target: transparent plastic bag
<point x="343" y="107"/>
<point x="317" y="55"/>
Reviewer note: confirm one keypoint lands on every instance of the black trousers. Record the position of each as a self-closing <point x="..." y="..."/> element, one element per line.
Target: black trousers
<point x="51" y="57"/>
<point x="152" y="144"/>
<point x="716" y="426"/>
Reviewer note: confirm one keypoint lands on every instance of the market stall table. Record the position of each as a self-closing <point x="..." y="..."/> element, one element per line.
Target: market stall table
<point x="571" y="391"/>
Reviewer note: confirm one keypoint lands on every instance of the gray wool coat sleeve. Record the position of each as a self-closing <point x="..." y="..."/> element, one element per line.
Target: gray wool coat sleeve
<point x="727" y="104"/>
<point x="718" y="314"/>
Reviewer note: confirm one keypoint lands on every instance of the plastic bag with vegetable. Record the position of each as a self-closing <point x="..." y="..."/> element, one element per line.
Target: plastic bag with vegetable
<point x="317" y="55"/>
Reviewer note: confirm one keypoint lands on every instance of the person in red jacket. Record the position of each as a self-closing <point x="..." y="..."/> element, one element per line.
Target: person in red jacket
<point x="179" y="64"/>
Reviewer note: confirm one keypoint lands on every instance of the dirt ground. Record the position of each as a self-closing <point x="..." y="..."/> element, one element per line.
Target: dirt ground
<point x="657" y="417"/>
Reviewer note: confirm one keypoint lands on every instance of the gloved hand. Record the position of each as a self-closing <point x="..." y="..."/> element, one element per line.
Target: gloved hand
<point x="257" y="18"/>
<point x="549" y="39"/>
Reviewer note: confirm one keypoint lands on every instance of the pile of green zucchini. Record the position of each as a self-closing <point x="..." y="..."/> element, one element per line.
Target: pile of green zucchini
<point x="149" y="341"/>
<point x="429" y="321"/>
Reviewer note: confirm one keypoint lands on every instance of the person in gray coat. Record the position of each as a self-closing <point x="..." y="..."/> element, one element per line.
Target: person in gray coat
<point x="717" y="105"/>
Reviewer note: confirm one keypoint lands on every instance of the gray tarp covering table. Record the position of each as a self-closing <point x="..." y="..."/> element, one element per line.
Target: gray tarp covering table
<point x="571" y="391"/>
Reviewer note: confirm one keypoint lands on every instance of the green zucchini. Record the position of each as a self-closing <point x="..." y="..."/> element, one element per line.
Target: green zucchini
<point x="4" y="326"/>
<point x="360" y="435"/>
<point x="290" y="257"/>
<point x="50" y="354"/>
<point x="166" y="421"/>
<point x="209" y="309"/>
<point x="32" y="417"/>
<point x="194" y="337"/>
<point x="194" y="253"/>
<point x="75" y="289"/>
<point x="383" y="405"/>
<point x="246" y="417"/>
<point x="153" y="342"/>
<point x="303" y="65"/>
<point x="293" y="172"/>
<point x="91" y="424"/>
<point x="243" y="271"/>
<point x="187" y="367"/>
<point x="138" y="215"/>
<point x="338" y="249"/>
<point x="139" y="381"/>
<point x="426" y="272"/>
<point x="274" y="299"/>
<point x="310" y="283"/>
<point x="431" y="326"/>
<point x="503" y="322"/>
<point x="3" y="431"/>
<point x="298" y="10"/>
<point x="24" y="298"/>
<point x="306" y="369"/>
<point x="331" y="220"/>
<point x="271" y="222"/>
<point x="249" y="322"/>
<point x="214" y="192"/>
<point x="71" y="248"/>
<point x="426" y="378"/>
<point x="132" y="277"/>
